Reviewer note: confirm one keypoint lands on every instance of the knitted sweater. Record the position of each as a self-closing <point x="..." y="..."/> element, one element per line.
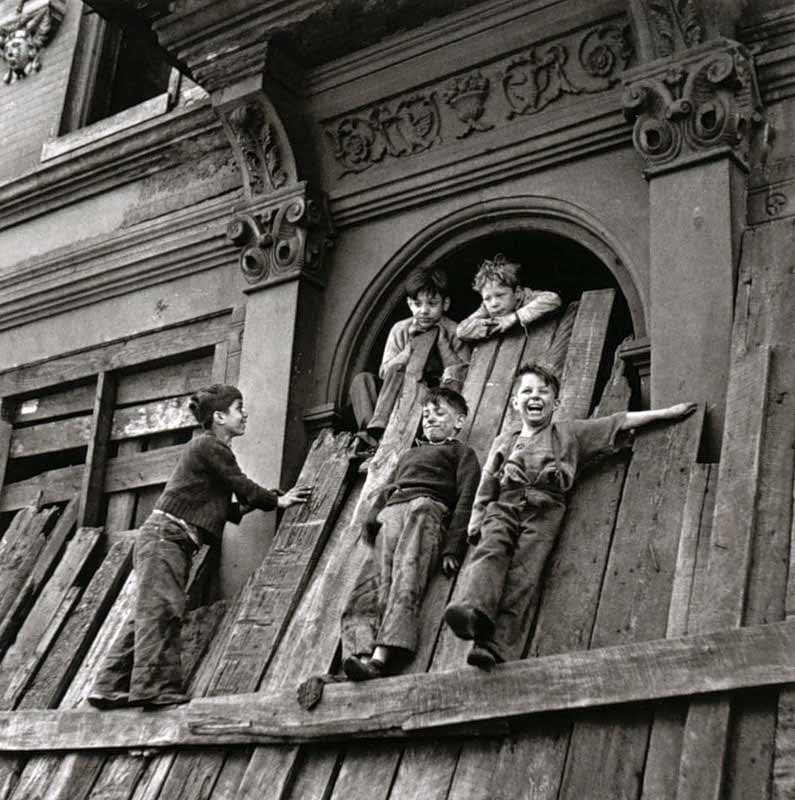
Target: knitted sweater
<point x="448" y="472"/>
<point x="200" y="488"/>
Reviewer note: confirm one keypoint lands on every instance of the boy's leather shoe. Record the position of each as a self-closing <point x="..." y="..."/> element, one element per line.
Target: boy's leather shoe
<point x="164" y="701"/>
<point x="467" y="622"/>
<point x="357" y="669"/>
<point x="481" y="657"/>
<point x="105" y="702"/>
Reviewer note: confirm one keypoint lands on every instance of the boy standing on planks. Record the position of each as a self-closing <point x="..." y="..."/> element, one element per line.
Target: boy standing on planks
<point x="519" y="509"/>
<point x="505" y="302"/>
<point x="428" y="300"/>
<point x="416" y="521"/>
<point x="143" y="666"/>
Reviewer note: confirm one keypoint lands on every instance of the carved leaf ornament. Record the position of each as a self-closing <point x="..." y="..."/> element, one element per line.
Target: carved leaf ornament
<point x="530" y="82"/>
<point x="259" y="148"/>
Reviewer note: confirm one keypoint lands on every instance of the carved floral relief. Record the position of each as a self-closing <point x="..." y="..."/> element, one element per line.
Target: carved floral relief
<point x="587" y="63"/>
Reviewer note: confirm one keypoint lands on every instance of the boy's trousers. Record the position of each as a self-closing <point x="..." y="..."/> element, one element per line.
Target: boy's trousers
<point x="384" y="606"/>
<point x="145" y="659"/>
<point x="372" y="408"/>
<point x="503" y="577"/>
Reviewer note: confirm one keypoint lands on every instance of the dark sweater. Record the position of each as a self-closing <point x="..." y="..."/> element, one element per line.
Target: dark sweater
<point x="448" y="472"/>
<point x="200" y="488"/>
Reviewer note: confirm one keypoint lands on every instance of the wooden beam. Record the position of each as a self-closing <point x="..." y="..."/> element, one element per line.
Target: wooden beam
<point x="146" y="419"/>
<point x="39" y="575"/>
<point x="124" y="353"/>
<point x="705" y="744"/>
<point x="93" y="479"/>
<point x="123" y="473"/>
<point x="434" y="704"/>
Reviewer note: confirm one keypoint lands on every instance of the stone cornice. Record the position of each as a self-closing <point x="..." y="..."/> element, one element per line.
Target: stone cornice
<point x="103" y="165"/>
<point x="183" y="244"/>
<point x="771" y="37"/>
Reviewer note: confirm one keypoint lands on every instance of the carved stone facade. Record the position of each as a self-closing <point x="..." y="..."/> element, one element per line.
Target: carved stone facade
<point x="528" y="82"/>
<point x="705" y="100"/>
<point x="283" y="239"/>
<point x="26" y="34"/>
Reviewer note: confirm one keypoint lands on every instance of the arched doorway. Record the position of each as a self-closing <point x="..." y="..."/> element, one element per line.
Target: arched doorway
<point x="559" y="246"/>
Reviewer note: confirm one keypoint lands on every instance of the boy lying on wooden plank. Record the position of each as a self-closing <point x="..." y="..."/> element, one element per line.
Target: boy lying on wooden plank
<point x="519" y="508"/>
<point x="415" y="522"/>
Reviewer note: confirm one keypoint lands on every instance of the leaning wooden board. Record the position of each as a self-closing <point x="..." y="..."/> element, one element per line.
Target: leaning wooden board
<point x="433" y="766"/>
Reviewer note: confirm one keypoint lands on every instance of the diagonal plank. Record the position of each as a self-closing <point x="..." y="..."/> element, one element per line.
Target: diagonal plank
<point x="436" y="704"/>
<point x="707" y="728"/>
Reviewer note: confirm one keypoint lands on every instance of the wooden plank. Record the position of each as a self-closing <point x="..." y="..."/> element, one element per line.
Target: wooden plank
<point x="19" y="549"/>
<point x="701" y="769"/>
<point x="435" y="704"/>
<point x="242" y="664"/>
<point x="51" y="597"/>
<point x="634" y="602"/>
<point x="123" y="473"/>
<point x="72" y="643"/>
<point x="42" y="569"/>
<point x="765" y="317"/>
<point x="567" y="610"/>
<point x="660" y="775"/>
<point x="39" y="773"/>
<point x="121" y="505"/>
<point x="156" y="383"/>
<point x="93" y="478"/>
<point x="584" y="354"/>
<point x="124" y="353"/>
<point x="486" y="389"/>
<point x="142" y="420"/>
<point x="555" y="357"/>
<point x="27" y="663"/>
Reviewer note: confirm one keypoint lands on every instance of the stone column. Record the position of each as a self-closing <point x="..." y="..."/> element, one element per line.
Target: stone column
<point x="282" y="230"/>
<point x="692" y="116"/>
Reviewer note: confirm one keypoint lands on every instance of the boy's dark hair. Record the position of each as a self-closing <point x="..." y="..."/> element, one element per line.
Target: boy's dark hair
<point x="451" y="397"/>
<point x="431" y="280"/>
<point x="547" y="374"/>
<point x="217" y="397"/>
<point x="499" y="270"/>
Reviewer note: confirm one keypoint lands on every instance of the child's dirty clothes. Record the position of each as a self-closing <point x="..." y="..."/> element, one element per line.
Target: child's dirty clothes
<point x="516" y="518"/>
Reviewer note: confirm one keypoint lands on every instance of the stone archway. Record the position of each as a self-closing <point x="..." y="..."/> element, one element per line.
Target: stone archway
<point x="440" y="243"/>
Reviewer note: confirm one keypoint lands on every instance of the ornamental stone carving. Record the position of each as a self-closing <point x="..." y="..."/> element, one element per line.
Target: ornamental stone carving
<point x="24" y="36"/>
<point x="541" y="75"/>
<point x="582" y="62"/>
<point x="706" y="100"/>
<point x="467" y="96"/>
<point x="409" y="126"/>
<point x="283" y="239"/>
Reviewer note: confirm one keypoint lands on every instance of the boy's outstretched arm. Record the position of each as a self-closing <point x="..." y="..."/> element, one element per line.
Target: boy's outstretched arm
<point x="637" y="419"/>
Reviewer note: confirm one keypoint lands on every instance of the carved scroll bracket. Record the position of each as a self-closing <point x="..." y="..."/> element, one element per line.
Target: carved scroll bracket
<point x="283" y="239"/>
<point x="701" y="104"/>
<point x="26" y="33"/>
<point x="260" y="144"/>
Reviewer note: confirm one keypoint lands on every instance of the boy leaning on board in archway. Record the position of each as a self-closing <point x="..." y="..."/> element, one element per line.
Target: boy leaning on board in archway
<point x="519" y="508"/>
<point x="505" y="302"/>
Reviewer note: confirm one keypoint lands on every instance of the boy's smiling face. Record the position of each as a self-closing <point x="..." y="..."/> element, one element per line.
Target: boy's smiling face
<point x="232" y="421"/>
<point x="427" y="308"/>
<point x="441" y="421"/>
<point x="535" y="400"/>
<point x="499" y="299"/>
